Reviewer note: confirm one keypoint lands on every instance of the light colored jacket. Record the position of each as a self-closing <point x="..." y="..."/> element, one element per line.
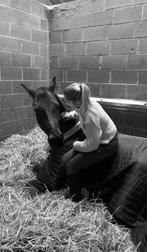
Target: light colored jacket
<point x="97" y="126"/>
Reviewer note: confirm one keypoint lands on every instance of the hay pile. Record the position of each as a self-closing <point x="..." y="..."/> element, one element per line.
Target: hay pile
<point x="48" y="222"/>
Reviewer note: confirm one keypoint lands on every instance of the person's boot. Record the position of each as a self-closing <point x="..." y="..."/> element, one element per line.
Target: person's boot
<point x="75" y="187"/>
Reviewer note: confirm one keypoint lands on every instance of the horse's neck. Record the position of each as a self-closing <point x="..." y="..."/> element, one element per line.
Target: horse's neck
<point x="67" y="123"/>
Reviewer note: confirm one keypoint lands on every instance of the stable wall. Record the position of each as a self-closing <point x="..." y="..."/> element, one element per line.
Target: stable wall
<point x="104" y="43"/>
<point x="23" y="58"/>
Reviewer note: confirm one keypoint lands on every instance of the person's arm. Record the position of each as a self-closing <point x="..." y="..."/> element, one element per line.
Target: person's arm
<point x="93" y="136"/>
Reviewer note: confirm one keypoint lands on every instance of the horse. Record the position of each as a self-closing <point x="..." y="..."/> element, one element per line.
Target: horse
<point x="108" y="180"/>
<point x="62" y="130"/>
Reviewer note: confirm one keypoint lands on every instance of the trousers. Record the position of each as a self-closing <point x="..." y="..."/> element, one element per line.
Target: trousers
<point x="74" y="162"/>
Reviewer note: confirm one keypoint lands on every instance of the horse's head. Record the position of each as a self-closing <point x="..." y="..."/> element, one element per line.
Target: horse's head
<point x="48" y="109"/>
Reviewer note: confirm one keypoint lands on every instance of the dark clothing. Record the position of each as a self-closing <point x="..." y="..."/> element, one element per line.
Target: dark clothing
<point x="139" y="237"/>
<point x="75" y="161"/>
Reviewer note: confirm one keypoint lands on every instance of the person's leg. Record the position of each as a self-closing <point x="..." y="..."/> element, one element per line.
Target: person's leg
<point x="62" y="173"/>
<point x="79" y="161"/>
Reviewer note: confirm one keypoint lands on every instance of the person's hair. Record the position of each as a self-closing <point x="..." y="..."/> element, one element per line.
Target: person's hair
<point x="78" y="91"/>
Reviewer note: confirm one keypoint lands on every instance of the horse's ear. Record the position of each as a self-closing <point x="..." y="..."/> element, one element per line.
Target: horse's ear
<point x="53" y="85"/>
<point x="30" y="91"/>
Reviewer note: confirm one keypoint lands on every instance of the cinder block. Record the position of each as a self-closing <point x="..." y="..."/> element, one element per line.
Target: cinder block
<point x="92" y="6"/>
<point x="76" y="75"/>
<point x="72" y="35"/>
<point x="5" y="59"/>
<point x="95" y="89"/>
<point x="118" y="3"/>
<point x="27" y="112"/>
<point x="59" y="24"/>
<point x="24" y="5"/>
<point x="58" y="73"/>
<point x="56" y="50"/>
<point x="30" y="47"/>
<point x="21" y="60"/>
<point x="17" y="113"/>
<point x="98" y="76"/>
<point x="39" y="36"/>
<point x="145" y="12"/>
<point x="88" y="62"/>
<point x="4" y="28"/>
<point x="98" y="48"/>
<point x="18" y="17"/>
<point x="44" y="25"/>
<point x="18" y="89"/>
<point x="8" y="101"/>
<point x="75" y="49"/>
<point x="40" y="62"/>
<point x="5" y="87"/>
<point x="94" y="19"/>
<point x="9" y="44"/>
<point x="68" y="62"/>
<point x="114" y="61"/>
<point x="142" y="77"/>
<point x="11" y="127"/>
<point x="43" y="50"/>
<point x="140" y="29"/>
<point x="47" y="2"/>
<point x="140" y="1"/>
<point x="137" y="61"/>
<point x="53" y="62"/>
<point x="26" y="100"/>
<point x="129" y="14"/>
<point x="143" y="46"/>
<point x="11" y="73"/>
<point x="124" y="46"/>
<point x="6" y="115"/>
<point x="44" y="74"/>
<point x="31" y="74"/>
<point x="5" y="12"/>
<point x="29" y="123"/>
<point x="6" y="2"/>
<point x="42" y="83"/>
<point x="38" y="9"/>
<point x="124" y="76"/>
<point x="137" y="92"/>
<point x="121" y="31"/>
<point x="95" y="33"/>
<point x="20" y="31"/>
<point x="55" y="37"/>
<point x="113" y="91"/>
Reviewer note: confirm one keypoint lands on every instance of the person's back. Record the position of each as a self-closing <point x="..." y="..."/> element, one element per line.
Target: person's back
<point x="107" y="125"/>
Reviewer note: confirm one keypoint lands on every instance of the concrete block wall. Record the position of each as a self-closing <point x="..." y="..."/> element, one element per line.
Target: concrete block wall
<point x="23" y="58"/>
<point x="102" y="43"/>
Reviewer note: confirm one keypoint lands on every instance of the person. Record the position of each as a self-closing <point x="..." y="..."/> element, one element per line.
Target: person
<point x="100" y="140"/>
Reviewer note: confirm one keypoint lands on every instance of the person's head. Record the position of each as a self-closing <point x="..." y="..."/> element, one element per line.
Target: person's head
<point x="77" y="95"/>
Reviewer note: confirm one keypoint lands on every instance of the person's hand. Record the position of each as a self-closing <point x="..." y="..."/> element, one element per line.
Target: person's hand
<point x="65" y="114"/>
<point x="71" y="114"/>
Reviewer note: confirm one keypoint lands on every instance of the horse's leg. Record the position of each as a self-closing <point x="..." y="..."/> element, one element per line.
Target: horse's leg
<point x="129" y="200"/>
<point x="34" y="187"/>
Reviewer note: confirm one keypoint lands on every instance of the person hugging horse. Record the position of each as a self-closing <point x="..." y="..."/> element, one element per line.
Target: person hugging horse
<point x="101" y="136"/>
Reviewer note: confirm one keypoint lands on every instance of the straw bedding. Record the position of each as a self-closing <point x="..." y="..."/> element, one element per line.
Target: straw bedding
<point x="48" y="222"/>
